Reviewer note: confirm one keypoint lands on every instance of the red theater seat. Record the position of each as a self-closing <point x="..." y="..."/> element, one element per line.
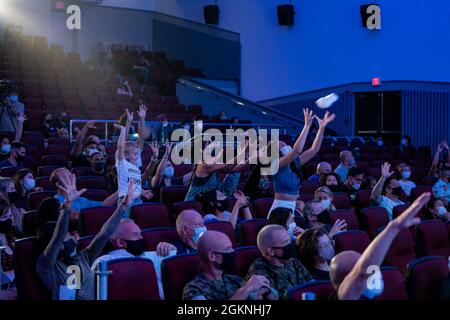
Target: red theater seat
<point x="309" y="187"/>
<point x="59" y="149"/>
<point x="432" y="239"/>
<point x="323" y="290"/>
<point x="96" y="194"/>
<point x="418" y="191"/>
<point x="29" y="223"/>
<point x="176" y="272"/>
<point x="224" y="227"/>
<point x="262" y="206"/>
<point x="92" y="182"/>
<point x="132" y="279"/>
<point x="173" y="194"/>
<point x="92" y="219"/>
<point x="35" y="198"/>
<point x="44" y="183"/>
<point x="374" y="218"/>
<point x="8" y="172"/>
<point x="347" y="215"/>
<point x="401" y="251"/>
<point x="425" y="277"/>
<point x="46" y="171"/>
<point x="150" y="215"/>
<point x="341" y="200"/>
<point x="153" y="236"/>
<point x="28" y="283"/>
<point x="355" y="240"/>
<point x="363" y="199"/>
<point x="54" y="160"/>
<point x="248" y="231"/>
<point x="185" y="205"/>
<point x="394" y="285"/>
<point x="244" y="258"/>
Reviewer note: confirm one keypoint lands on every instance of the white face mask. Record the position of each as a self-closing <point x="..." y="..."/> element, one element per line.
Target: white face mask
<point x="291" y="228"/>
<point x="285" y="150"/>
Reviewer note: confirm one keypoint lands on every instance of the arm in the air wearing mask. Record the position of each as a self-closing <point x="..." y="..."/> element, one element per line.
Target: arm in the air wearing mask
<point x="80" y="140"/>
<point x="98" y="243"/>
<point x="121" y="143"/>
<point x="50" y="254"/>
<point x="298" y="147"/>
<point x="376" y="192"/>
<point x="156" y="180"/>
<point x="355" y="282"/>
<point x="435" y="162"/>
<point x="141" y="127"/>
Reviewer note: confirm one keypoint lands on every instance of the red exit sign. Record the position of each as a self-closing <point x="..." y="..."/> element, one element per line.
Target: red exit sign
<point x="376" y="82"/>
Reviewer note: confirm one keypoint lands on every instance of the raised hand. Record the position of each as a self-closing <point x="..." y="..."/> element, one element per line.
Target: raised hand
<point x="327" y="118"/>
<point x="130" y="116"/>
<point x="408" y="217"/>
<point x="131" y="194"/>
<point x="445" y="145"/>
<point x="68" y="186"/>
<point x="119" y="127"/>
<point x="90" y="125"/>
<point x="22" y="117"/>
<point x="242" y="200"/>
<point x="386" y="170"/>
<point x="168" y="146"/>
<point x="309" y="116"/>
<point x="339" y="226"/>
<point x="154" y="146"/>
<point x="142" y="113"/>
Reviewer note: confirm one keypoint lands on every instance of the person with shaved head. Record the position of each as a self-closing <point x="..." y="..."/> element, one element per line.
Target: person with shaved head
<point x="347" y="161"/>
<point x="190" y="227"/>
<point x="278" y="262"/>
<point x="322" y="168"/>
<point x="352" y="274"/>
<point x="215" y="281"/>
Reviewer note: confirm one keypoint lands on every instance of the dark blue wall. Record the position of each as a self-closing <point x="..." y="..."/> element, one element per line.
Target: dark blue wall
<point x="217" y="57"/>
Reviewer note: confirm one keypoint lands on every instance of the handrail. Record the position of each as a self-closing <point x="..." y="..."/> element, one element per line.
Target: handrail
<point x="289" y="120"/>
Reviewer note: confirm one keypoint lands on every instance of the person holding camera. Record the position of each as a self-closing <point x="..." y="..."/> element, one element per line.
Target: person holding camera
<point x="10" y="107"/>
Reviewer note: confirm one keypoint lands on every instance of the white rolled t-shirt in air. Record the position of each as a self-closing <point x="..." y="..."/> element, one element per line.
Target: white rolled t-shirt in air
<point x="127" y="171"/>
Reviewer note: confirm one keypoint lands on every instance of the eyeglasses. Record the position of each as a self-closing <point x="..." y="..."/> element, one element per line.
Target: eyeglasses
<point x="326" y="244"/>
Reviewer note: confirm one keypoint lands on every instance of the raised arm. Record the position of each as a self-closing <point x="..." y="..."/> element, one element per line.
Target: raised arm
<point x="385" y="174"/>
<point x="156" y="180"/>
<point x="311" y="152"/>
<point x="355" y="282"/>
<point x="68" y="187"/>
<point x="435" y="162"/>
<point x="100" y="240"/>
<point x="123" y="135"/>
<point x="146" y="176"/>
<point x="81" y="138"/>
<point x="20" y="120"/>
<point x="300" y="143"/>
<point x="141" y="128"/>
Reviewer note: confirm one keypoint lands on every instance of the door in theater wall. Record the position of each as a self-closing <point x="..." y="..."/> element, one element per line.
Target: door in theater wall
<point x="378" y="112"/>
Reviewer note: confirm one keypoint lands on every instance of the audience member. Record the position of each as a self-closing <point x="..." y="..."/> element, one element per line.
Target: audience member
<point x="63" y="121"/>
<point x="125" y="90"/>
<point x="441" y="189"/>
<point x="347" y="161"/>
<point x="325" y="195"/>
<point x="369" y="183"/>
<point x="11" y="123"/>
<point x="278" y="262"/>
<point x="257" y="186"/>
<point x="6" y="236"/>
<point x="58" y="249"/>
<point x="24" y="183"/>
<point x="315" y="250"/>
<point x="322" y="168"/>
<point x="353" y="183"/>
<point x="16" y="156"/>
<point x="388" y="191"/>
<point x="9" y="193"/>
<point x="441" y="159"/>
<point x="332" y="181"/>
<point x="406" y="184"/>
<point x="349" y="270"/>
<point x="437" y="210"/>
<point x="85" y="147"/>
<point x="47" y="125"/>
<point x="215" y="281"/>
<point x="285" y="217"/>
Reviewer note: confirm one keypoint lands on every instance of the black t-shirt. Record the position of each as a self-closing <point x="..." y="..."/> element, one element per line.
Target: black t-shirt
<point x="319" y="274"/>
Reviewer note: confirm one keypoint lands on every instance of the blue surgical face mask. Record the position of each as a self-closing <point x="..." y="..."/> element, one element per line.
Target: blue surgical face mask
<point x="356" y="186"/>
<point x="352" y="163"/>
<point x="406" y="174"/>
<point x="169" y="172"/>
<point x="380" y="143"/>
<point x="326" y="203"/>
<point x="6" y="148"/>
<point x="14" y="98"/>
<point x="442" y="211"/>
<point x="291" y="228"/>
<point x="198" y="231"/>
<point x="371" y="293"/>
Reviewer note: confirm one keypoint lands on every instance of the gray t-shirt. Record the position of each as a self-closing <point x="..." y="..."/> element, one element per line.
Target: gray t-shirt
<point x="5" y="122"/>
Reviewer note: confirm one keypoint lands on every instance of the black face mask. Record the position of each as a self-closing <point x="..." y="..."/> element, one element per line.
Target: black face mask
<point x="228" y="259"/>
<point x="69" y="250"/>
<point x="135" y="247"/>
<point x="222" y="205"/>
<point x="324" y="217"/>
<point x="5" y="226"/>
<point x="288" y="251"/>
<point x="19" y="158"/>
<point x="14" y="197"/>
<point x="99" y="166"/>
<point x="334" y="188"/>
<point x="398" y="191"/>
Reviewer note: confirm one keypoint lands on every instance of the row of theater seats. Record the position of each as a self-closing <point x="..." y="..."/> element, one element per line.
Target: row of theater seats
<point x="135" y="278"/>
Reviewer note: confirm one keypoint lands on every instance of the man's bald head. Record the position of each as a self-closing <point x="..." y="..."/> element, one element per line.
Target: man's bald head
<point x="209" y="247"/>
<point x="270" y="236"/>
<point x="127" y="230"/>
<point x="346" y="157"/>
<point x="188" y="218"/>
<point x="323" y="167"/>
<point x="341" y="265"/>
